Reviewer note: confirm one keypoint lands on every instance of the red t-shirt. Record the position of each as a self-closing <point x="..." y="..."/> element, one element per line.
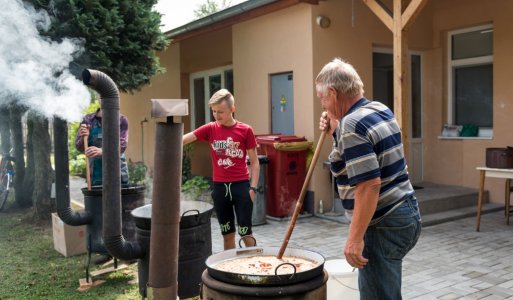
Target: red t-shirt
<point x="228" y="147"/>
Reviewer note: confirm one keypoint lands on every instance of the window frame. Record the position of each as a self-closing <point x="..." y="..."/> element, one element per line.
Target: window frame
<point x="206" y="77"/>
<point x="464" y="62"/>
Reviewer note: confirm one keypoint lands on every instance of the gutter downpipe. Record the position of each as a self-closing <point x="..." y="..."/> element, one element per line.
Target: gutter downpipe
<point x="113" y="238"/>
<point x="62" y="195"/>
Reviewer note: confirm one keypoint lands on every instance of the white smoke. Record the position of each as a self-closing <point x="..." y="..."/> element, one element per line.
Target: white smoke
<point x="34" y="69"/>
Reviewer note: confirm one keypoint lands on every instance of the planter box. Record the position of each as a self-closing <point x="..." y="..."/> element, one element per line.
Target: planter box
<point x="68" y="240"/>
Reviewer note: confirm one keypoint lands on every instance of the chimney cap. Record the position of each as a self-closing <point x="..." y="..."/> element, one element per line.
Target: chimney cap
<point x="161" y="108"/>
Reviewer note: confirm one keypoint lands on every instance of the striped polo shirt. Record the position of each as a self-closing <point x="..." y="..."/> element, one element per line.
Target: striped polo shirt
<point x="367" y="144"/>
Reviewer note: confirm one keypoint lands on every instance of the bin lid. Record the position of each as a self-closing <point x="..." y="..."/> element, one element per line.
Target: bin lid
<point x="278" y="138"/>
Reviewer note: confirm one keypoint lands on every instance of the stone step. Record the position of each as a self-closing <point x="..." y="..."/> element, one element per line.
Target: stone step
<point x="438" y="204"/>
<point x="460" y="213"/>
<point x="432" y="218"/>
<point x="435" y="198"/>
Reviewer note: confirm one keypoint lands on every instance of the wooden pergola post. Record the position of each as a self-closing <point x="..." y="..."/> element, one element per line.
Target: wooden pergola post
<point x="398" y="23"/>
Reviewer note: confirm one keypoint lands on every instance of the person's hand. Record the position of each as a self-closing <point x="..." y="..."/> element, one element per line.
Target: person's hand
<point x="83" y="130"/>
<point x="327" y="124"/>
<point x="252" y="195"/>
<point x="93" y="151"/>
<point x="353" y="252"/>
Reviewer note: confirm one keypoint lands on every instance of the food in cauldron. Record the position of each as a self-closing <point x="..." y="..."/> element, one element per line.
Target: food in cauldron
<point x="266" y="265"/>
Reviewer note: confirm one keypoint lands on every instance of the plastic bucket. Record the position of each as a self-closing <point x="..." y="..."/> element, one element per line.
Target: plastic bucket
<point x="342" y="282"/>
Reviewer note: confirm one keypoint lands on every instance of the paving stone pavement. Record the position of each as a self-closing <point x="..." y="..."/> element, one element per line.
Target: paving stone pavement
<point x="450" y="261"/>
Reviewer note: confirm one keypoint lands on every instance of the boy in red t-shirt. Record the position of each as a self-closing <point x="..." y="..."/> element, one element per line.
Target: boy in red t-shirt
<point x="230" y="141"/>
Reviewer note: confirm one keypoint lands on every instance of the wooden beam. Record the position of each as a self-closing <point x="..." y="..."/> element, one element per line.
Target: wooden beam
<point x="382" y="14"/>
<point x="401" y="95"/>
<point x="412" y="11"/>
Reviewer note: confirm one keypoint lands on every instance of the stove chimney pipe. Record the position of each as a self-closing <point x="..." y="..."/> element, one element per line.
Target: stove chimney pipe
<point x="67" y="215"/>
<point x="111" y="197"/>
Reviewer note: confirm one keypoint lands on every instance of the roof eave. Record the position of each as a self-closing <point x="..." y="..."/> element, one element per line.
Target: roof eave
<point x="232" y="15"/>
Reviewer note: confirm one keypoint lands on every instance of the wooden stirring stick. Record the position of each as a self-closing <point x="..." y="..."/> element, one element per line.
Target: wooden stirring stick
<point x="88" y="169"/>
<point x="300" y="200"/>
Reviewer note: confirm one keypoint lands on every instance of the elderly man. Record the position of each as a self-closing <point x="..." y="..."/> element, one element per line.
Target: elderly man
<point x="372" y="179"/>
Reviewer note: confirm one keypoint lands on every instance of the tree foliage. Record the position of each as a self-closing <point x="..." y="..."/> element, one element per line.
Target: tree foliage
<point x="210" y="7"/>
<point x="119" y="37"/>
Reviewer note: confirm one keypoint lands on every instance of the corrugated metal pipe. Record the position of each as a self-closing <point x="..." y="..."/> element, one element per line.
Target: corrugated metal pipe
<point x="113" y="239"/>
<point x="67" y="215"/>
<point x="165" y="212"/>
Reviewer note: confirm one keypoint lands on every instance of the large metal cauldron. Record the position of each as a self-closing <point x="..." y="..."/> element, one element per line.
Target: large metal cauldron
<point x="131" y="198"/>
<point x="264" y="280"/>
<point x="313" y="289"/>
<point x="195" y="244"/>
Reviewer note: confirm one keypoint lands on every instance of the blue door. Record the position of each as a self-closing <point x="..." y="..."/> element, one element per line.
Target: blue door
<point x="282" y="103"/>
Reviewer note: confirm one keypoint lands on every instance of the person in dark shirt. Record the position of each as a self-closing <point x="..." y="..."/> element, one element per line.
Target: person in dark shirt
<point x="91" y="126"/>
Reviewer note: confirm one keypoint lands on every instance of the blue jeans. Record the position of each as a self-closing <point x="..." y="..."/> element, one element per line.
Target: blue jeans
<point x="386" y="243"/>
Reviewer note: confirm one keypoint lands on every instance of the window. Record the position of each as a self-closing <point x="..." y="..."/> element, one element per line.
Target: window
<point x="471" y="77"/>
<point x="203" y="86"/>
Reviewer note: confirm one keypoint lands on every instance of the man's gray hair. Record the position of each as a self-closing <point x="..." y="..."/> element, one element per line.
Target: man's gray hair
<point x="341" y="76"/>
<point x="223" y="95"/>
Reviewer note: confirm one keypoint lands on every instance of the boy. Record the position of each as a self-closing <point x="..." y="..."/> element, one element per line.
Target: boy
<point x="230" y="141"/>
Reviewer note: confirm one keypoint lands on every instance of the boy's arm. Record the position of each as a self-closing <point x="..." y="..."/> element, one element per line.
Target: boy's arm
<point x="189" y="138"/>
<point x="254" y="167"/>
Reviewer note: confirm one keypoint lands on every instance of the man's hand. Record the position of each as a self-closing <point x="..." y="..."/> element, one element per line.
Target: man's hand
<point x="83" y="130"/>
<point x="353" y="252"/>
<point x="93" y="151"/>
<point x="327" y="124"/>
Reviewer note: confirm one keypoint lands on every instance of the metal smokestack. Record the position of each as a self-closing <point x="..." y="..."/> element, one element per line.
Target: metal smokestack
<point x="165" y="219"/>
<point x="67" y="215"/>
<point x="111" y="198"/>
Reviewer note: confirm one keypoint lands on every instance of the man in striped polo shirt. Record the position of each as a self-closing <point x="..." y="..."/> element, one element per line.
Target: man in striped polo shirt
<point x="368" y="163"/>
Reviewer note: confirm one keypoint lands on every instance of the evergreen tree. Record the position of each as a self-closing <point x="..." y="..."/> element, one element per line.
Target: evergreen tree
<point x="119" y="38"/>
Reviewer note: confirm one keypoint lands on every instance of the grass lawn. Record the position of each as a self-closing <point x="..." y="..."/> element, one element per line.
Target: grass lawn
<point x="30" y="268"/>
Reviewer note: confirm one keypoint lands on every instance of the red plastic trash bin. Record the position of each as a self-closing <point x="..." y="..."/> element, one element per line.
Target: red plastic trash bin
<point x="286" y="171"/>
